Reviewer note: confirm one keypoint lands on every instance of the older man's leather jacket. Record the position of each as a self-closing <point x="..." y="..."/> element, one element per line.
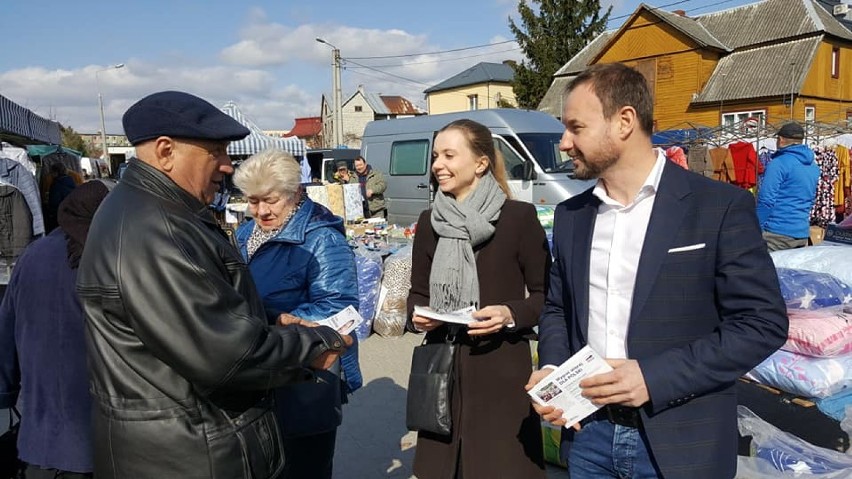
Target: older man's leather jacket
<point x="178" y="341"/>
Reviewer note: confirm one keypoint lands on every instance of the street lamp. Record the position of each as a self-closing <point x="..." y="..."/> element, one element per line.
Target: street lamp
<point x="337" y="124"/>
<point x="104" y="154"/>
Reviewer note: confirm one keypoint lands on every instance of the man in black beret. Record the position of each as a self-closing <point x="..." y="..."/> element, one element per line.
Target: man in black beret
<point x="787" y="192"/>
<point x="180" y="349"/>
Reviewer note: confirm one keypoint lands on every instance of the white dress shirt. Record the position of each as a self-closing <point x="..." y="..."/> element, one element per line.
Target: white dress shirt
<point x="616" y="247"/>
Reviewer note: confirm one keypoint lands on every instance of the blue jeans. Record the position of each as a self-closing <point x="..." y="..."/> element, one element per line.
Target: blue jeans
<point x="605" y="450"/>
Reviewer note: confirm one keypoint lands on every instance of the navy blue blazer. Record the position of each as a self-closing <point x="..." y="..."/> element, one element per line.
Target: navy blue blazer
<point x="701" y="317"/>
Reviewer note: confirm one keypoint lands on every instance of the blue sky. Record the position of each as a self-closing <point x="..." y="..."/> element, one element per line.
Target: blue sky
<point x="261" y="54"/>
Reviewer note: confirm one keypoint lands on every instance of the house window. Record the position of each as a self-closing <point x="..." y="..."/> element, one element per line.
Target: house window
<point x="737" y="118"/>
<point x="810" y="117"/>
<point x="835" y="62"/>
<point x="473" y="102"/>
<point x="358" y="108"/>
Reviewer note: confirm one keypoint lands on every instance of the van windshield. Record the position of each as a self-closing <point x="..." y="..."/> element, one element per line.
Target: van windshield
<point x="545" y="148"/>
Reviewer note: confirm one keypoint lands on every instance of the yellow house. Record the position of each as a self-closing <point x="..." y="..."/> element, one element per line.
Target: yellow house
<point x="770" y="61"/>
<point x="484" y="85"/>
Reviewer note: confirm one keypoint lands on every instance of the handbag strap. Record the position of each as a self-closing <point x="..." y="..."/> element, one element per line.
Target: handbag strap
<point x="450" y="337"/>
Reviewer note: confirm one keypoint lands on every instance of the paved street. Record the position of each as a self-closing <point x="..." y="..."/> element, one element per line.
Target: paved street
<point x="373" y="441"/>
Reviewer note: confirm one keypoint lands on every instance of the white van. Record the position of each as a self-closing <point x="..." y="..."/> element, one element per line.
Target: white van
<point x="529" y="141"/>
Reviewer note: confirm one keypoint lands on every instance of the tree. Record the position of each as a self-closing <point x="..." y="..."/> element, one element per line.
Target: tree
<point x="550" y="35"/>
<point x="73" y="140"/>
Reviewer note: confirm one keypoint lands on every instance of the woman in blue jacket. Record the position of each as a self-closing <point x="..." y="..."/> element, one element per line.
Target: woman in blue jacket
<point x="303" y="267"/>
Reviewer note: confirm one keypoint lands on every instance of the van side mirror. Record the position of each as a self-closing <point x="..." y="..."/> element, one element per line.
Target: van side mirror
<point x="529" y="171"/>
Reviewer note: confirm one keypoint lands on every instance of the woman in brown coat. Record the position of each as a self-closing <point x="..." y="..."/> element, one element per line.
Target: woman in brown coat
<point x="478" y="247"/>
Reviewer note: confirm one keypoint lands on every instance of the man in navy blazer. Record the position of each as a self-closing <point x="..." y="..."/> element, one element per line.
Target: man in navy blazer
<point x="665" y="274"/>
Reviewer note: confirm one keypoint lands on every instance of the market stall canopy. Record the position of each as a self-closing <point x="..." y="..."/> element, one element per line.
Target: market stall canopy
<point x="257" y="141"/>
<point x="22" y="123"/>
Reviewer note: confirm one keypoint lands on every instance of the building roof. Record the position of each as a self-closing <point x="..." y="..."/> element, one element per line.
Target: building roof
<point x="761" y="72"/>
<point x="829" y="7"/>
<point x="480" y="73"/>
<point x="306" y="127"/>
<point x="387" y="104"/>
<point x="771" y="20"/>
<point x="689" y="27"/>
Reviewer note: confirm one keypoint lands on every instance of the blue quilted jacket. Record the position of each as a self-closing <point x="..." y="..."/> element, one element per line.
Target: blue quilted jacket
<point x="307" y="270"/>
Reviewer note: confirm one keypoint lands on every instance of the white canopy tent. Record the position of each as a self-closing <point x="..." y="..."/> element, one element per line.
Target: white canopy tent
<point x="257" y="141"/>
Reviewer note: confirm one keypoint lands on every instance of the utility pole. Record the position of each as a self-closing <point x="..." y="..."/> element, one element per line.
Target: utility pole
<point x="337" y="124"/>
<point x="104" y="153"/>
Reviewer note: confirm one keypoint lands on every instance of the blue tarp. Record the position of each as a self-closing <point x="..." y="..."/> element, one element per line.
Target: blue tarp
<point x="679" y="137"/>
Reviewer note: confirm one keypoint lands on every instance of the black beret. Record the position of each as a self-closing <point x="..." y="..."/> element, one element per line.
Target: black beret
<point x="179" y="115"/>
<point x="793" y="131"/>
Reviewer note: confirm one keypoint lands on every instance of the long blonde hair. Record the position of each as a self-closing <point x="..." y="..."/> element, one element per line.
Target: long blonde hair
<point x="482" y="144"/>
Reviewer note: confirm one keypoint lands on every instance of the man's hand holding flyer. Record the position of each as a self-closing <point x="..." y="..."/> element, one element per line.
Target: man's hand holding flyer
<point x="561" y="388"/>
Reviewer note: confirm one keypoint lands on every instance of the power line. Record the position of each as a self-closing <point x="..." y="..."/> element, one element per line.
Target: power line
<point x="397" y="65"/>
<point x="387" y="73"/>
<point x="710" y="5"/>
<point x="433" y="53"/>
<point x="652" y="8"/>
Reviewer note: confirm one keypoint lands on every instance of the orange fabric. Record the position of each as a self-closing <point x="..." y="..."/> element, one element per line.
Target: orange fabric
<point x="723" y="165"/>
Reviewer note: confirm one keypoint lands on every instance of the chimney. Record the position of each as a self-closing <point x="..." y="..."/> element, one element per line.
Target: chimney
<point x="682" y="13"/>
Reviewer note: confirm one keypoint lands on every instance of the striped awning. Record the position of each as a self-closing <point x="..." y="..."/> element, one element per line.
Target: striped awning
<point x="257" y="141"/>
<point x="19" y="121"/>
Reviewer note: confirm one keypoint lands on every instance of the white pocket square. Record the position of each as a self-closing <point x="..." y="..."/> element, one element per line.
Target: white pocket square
<point x="691" y="247"/>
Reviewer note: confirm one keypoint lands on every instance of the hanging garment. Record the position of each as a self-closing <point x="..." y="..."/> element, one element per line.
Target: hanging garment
<point x="14" y="173"/>
<point x="844" y="181"/>
<point x="745" y="164"/>
<point x="18" y="154"/>
<point x="699" y="160"/>
<point x="764" y="157"/>
<point x="676" y="155"/>
<point x="16" y="223"/>
<point x="723" y="165"/>
<point x="823" y="211"/>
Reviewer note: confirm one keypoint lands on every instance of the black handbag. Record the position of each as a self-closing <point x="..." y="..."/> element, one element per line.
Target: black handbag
<point x="10" y="466"/>
<point x="430" y="388"/>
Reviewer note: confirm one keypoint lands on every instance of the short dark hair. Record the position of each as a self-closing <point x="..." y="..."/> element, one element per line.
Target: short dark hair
<point x="361" y="158"/>
<point x="616" y="86"/>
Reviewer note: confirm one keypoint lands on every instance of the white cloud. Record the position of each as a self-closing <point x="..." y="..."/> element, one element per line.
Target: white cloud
<point x="71" y="96"/>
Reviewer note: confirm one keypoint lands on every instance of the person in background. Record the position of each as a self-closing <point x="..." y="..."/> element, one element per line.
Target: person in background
<point x="182" y="355"/>
<point x="469" y="250"/>
<point x="373" y="187"/>
<point x="788" y="191"/>
<point x="342" y="175"/>
<point x="303" y="267"/>
<point x="61" y="186"/>
<point x="42" y="345"/>
<point x="664" y="274"/>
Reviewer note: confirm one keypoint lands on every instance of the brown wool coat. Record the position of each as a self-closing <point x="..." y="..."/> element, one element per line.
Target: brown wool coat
<point x="496" y="433"/>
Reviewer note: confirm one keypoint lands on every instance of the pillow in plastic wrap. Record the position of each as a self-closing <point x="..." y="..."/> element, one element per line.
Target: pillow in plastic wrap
<point x="835" y="406"/>
<point x="804" y="375"/>
<point x="835" y="260"/>
<point x="369" y="267"/>
<point x="823" y="332"/>
<point x="811" y="290"/>
<point x="396" y="280"/>
<point x="789" y="453"/>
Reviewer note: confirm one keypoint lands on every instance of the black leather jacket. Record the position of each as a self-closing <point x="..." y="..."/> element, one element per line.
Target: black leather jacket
<point x="177" y="335"/>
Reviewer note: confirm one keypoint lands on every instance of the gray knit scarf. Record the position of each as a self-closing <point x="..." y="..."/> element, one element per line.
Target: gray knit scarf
<point x="453" y="281"/>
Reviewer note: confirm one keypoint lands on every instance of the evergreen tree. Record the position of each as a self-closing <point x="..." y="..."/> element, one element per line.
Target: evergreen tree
<point x="549" y="36"/>
<point x="73" y="140"/>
